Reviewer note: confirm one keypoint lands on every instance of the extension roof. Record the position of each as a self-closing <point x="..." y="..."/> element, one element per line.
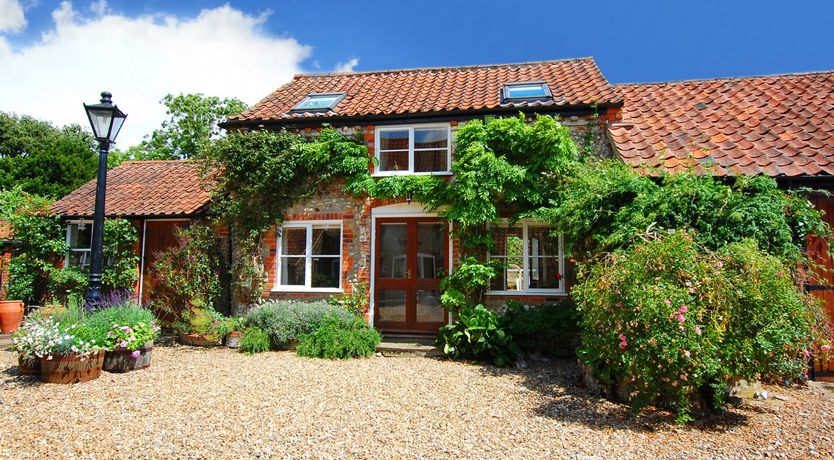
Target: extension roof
<point x="780" y="126"/>
<point x="434" y="91"/>
<point x="160" y="188"/>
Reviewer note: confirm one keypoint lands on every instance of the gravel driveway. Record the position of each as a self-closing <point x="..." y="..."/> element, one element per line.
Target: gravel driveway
<point x="198" y="403"/>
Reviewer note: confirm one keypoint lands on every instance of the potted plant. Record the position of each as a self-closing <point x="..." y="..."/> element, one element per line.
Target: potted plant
<point x="203" y="327"/>
<point x="127" y="332"/>
<point x="11" y="311"/>
<point x="233" y="339"/>
<point x="32" y="340"/>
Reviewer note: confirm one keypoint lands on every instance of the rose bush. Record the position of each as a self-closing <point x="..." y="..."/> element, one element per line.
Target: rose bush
<point x="676" y="323"/>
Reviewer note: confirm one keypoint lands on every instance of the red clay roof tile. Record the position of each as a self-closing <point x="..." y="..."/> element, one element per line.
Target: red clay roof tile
<point x="432" y="90"/>
<point x="142" y="188"/>
<point x="778" y="125"/>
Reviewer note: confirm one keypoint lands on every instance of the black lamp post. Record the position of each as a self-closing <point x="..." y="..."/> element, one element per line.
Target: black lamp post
<point x="106" y="120"/>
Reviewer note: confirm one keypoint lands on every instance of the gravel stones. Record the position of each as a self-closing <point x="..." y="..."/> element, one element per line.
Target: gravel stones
<point x="217" y="403"/>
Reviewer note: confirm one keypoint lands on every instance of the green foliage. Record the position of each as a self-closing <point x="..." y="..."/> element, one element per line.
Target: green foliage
<point x="188" y="273"/>
<point x="356" y="302"/>
<point x="254" y="340"/>
<point x="339" y="337"/>
<point x="285" y="321"/>
<point x="128" y="326"/>
<point x="467" y="284"/>
<point x="548" y="329"/>
<point x="191" y="126"/>
<point x="606" y="205"/>
<point x="477" y="333"/>
<point x="44" y="160"/>
<point x="675" y="321"/>
<point x="206" y="322"/>
<point x="119" y="251"/>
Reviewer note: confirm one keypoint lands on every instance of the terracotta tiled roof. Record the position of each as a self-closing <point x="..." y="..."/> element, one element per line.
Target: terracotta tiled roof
<point x="435" y="90"/>
<point x="776" y="125"/>
<point x="5" y="230"/>
<point x="142" y="188"/>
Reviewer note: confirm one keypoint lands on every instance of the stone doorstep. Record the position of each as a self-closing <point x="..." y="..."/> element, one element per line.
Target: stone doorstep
<point x="405" y="345"/>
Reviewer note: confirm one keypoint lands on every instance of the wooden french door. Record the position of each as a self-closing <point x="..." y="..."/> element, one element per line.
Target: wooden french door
<point x="411" y="259"/>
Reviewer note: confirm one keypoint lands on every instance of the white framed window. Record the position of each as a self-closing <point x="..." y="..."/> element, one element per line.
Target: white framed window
<point x="534" y="259"/>
<point x="79" y="241"/>
<point x="318" y="102"/>
<point x="309" y="257"/>
<point x="418" y="149"/>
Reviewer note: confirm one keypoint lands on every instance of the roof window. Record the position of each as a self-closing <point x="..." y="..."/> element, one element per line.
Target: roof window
<point x="526" y="91"/>
<point x="318" y="102"/>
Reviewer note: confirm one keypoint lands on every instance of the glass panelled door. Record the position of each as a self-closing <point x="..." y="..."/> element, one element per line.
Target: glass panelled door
<point x="412" y="257"/>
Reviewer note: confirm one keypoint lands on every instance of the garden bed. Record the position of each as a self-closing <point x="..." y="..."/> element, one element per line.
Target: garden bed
<point x="217" y="403"/>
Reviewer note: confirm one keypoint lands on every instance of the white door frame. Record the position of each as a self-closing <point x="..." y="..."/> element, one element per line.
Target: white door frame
<point x="403" y="210"/>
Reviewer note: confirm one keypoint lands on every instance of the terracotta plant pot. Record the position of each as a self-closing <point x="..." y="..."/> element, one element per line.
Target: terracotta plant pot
<point x="28" y="365"/>
<point x="123" y="360"/>
<point x="11" y="313"/>
<point x="197" y="340"/>
<point x="233" y="339"/>
<point x="71" y="368"/>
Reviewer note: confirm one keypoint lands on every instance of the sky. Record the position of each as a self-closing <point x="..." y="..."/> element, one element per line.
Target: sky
<point x="55" y="55"/>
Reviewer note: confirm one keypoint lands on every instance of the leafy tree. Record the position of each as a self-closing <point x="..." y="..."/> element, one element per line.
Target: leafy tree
<point x="42" y="159"/>
<point x="191" y="126"/>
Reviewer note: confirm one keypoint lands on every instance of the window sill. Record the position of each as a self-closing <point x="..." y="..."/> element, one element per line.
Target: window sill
<point x="408" y="173"/>
<point x="304" y="290"/>
<point x="542" y="293"/>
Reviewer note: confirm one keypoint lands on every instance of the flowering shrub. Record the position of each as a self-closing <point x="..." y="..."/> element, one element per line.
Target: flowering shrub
<point x="44" y="337"/>
<point x="677" y="323"/>
<point x="123" y="325"/>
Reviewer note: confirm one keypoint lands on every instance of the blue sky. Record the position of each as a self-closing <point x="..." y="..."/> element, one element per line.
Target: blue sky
<point x="260" y="44"/>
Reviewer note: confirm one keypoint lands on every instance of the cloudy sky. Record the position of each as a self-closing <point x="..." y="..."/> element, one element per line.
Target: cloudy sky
<point x="55" y="55"/>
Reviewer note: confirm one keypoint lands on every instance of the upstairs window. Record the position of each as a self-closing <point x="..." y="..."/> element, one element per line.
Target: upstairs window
<point x="423" y="149"/>
<point x="79" y="242"/>
<point x="318" y="102"/>
<point x="527" y="91"/>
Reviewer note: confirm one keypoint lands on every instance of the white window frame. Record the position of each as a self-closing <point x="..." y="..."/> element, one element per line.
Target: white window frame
<point x="525" y="225"/>
<point x="308" y="256"/>
<point x="70" y="250"/>
<point x="410" y="129"/>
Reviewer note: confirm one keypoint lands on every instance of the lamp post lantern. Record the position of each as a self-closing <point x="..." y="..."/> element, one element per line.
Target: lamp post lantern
<point x="106" y="120"/>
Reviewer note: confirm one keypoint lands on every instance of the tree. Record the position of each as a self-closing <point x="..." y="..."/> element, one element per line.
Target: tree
<point x="42" y="159"/>
<point x="192" y="124"/>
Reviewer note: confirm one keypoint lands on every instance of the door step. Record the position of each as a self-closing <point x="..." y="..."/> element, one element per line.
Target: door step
<point x="411" y="346"/>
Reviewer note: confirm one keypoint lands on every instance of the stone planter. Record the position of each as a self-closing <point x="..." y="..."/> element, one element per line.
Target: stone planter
<point x="233" y="339"/>
<point x="197" y="340"/>
<point x="28" y="365"/>
<point x="11" y="313"/>
<point x="124" y="361"/>
<point x="71" y="368"/>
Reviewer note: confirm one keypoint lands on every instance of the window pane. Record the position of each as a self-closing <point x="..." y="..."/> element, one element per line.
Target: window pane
<point x="431" y="160"/>
<point x="80" y="236"/>
<point x="544" y="273"/>
<point x="526" y="91"/>
<point x="79" y="259"/>
<point x="294" y="241"/>
<point x="392" y="250"/>
<point x="428" y="307"/>
<point x="391" y="305"/>
<point x="327" y="241"/>
<point x="326" y="272"/>
<point x="431" y="138"/>
<point x="431" y="250"/>
<point x="393" y="161"/>
<point x="318" y="102"/>
<point x="293" y="270"/>
<point x="393" y="140"/>
<point x="543" y="242"/>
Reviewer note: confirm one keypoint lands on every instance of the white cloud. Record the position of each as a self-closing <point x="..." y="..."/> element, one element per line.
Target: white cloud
<point x="220" y="52"/>
<point x="12" y="18"/>
<point x="346" y="66"/>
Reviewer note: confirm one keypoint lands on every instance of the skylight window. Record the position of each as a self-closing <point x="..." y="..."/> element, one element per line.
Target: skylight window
<point x="526" y="91"/>
<point x="318" y="102"/>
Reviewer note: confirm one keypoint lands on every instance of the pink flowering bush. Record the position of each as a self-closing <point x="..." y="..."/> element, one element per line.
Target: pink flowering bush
<point x="679" y="324"/>
<point x="123" y="327"/>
